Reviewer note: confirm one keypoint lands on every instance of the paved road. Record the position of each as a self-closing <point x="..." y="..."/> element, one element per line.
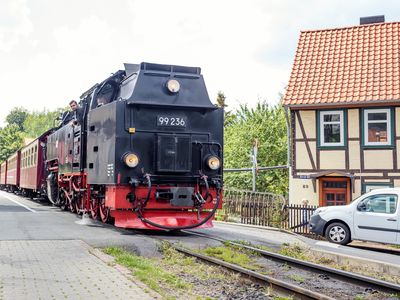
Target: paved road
<point x="23" y="219"/>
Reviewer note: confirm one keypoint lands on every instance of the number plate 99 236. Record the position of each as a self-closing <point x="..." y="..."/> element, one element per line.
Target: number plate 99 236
<point x="168" y="121"/>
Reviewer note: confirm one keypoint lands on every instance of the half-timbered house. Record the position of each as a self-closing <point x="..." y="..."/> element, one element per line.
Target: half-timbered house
<point x="344" y="101"/>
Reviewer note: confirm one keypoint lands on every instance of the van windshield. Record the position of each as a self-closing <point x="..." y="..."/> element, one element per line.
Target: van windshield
<point x="356" y="198"/>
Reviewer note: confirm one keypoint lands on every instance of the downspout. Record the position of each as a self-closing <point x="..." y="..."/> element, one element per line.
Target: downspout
<point x="289" y="161"/>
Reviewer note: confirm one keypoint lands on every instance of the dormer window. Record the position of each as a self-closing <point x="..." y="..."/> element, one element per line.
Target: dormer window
<point x="331" y="128"/>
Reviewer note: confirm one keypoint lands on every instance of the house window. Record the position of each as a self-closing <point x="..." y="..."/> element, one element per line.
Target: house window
<point x="369" y="186"/>
<point x="377" y="127"/>
<point x="331" y="126"/>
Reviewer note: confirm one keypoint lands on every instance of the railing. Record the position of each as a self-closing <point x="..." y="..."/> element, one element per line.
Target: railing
<point x="265" y="209"/>
<point x="256" y="208"/>
<point x="296" y="217"/>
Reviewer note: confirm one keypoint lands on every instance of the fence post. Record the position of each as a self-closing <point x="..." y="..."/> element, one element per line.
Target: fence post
<point x="253" y="156"/>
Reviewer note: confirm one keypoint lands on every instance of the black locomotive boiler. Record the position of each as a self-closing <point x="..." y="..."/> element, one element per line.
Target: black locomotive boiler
<point x="146" y="151"/>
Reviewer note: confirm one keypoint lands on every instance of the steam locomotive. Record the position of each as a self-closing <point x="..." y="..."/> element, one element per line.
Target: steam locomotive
<point x="146" y="151"/>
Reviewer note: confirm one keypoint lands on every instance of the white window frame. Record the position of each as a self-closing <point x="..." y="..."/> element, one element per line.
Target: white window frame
<point x="322" y="123"/>
<point x="388" y="124"/>
<point x="369" y="186"/>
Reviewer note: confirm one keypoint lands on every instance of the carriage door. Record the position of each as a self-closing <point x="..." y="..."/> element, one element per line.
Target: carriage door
<point x="334" y="191"/>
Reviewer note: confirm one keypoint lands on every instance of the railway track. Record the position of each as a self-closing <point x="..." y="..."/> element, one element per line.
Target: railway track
<point x="279" y="286"/>
<point x="345" y="276"/>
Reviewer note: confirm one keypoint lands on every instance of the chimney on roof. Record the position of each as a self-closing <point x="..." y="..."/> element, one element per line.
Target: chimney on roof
<point x="372" y="20"/>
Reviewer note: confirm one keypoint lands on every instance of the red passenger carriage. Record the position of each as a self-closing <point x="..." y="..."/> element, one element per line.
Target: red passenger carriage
<point x="13" y="171"/>
<point x="33" y="172"/>
<point x="3" y="175"/>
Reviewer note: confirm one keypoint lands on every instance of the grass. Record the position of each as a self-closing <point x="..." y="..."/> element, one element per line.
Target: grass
<point x="247" y="243"/>
<point x="148" y="271"/>
<point x="297" y="278"/>
<point x="231" y="255"/>
<point x="294" y="251"/>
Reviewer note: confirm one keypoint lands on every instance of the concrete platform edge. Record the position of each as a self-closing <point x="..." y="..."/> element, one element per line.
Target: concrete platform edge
<point x="344" y="259"/>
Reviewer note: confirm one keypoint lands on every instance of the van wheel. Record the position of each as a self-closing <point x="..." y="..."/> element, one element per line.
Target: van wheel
<point x="338" y="233"/>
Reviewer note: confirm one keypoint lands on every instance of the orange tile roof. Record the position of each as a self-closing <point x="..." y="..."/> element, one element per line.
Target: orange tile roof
<point x="346" y="66"/>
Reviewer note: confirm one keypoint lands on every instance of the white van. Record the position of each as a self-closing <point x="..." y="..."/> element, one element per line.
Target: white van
<point x="374" y="216"/>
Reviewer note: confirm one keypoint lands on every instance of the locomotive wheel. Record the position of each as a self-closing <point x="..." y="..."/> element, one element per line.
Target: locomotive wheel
<point x="94" y="209"/>
<point x="104" y="212"/>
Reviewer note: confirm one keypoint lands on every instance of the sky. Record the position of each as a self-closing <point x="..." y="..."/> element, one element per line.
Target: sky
<point x="51" y="51"/>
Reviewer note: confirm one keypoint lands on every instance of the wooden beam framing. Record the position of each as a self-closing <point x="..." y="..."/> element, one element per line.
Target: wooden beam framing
<point x="303" y="132"/>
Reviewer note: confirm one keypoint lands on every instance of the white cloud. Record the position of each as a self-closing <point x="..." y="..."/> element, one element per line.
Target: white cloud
<point x="14" y="23"/>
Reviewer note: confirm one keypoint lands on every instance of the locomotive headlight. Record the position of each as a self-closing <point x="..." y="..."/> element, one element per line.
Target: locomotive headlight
<point x="213" y="163"/>
<point x="131" y="160"/>
<point x="173" y="86"/>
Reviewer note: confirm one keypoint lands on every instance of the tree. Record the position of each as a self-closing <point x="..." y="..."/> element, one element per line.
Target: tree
<point x="221" y="100"/>
<point x="228" y="117"/>
<point x="17" y="116"/>
<point x="268" y="125"/>
<point x="11" y="140"/>
<point x="37" y="123"/>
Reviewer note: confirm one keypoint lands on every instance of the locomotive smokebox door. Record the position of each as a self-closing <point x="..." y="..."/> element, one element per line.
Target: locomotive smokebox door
<point x="174" y="153"/>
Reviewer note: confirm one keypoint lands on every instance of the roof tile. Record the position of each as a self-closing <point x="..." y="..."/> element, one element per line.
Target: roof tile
<point x="353" y="64"/>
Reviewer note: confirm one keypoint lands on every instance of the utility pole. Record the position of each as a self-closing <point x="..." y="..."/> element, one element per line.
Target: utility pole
<point x="253" y="157"/>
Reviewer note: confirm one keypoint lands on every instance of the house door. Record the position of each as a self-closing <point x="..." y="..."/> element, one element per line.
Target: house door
<point x="334" y="191"/>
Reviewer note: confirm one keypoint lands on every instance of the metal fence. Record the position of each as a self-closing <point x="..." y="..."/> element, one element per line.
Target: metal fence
<point x="296" y="217"/>
<point x="265" y="209"/>
<point x="256" y="208"/>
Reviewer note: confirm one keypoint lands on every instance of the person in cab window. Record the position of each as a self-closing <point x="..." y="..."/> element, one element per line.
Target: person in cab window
<point x="74" y="115"/>
<point x="105" y="95"/>
<point x="101" y="100"/>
